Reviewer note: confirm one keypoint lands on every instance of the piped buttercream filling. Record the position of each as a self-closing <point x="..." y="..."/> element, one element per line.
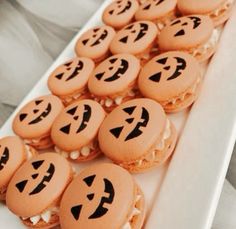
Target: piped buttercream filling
<point x="181" y="98"/>
<point x="211" y="43"/>
<point x="35" y="140"/>
<point x="73" y="97"/>
<point x="44" y="216"/>
<point x="136" y="211"/>
<point x="160" y="146"/>
<point x="222" y="9"/>
<point x="108" y="102"/>
<point x="28" y="151"/>
<point x="84" y="151"/>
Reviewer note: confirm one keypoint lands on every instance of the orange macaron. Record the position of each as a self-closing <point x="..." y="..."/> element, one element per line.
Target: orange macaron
<point x="194" y="34"/>
<point x="13" y="152"/>
<point x="137" y="135"/>
<point x="173" y="79"/>
<point x="35" y="191"/>
<point x="34" y="121"/>
<point x="161" y="12"/>
<point x="137" y="38"/>
<point x="120" y="13"/>
<point x="103" y="196"/>
<point x="74" y="131"/>
<point x="218" y="10"/>
<point x="69" y="80"/>
<point x="95" y="42"/>
<point x="114" y="80"/>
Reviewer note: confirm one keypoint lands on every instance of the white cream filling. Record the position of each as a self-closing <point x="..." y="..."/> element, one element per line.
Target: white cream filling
<point x="108" y="102"/>
<point x="83" y="152"/>
<point x="209" y="44"/>
<point x="73" y="97"/>
<point x="192" y="90"/>
<point x="135" y="212"/>
<point x="28" y="152"/>
<point x="45" y="216"/>
<point x="224" y="7"/>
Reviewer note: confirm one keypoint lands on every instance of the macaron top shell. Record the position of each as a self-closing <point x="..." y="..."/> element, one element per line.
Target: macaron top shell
<point x="114" y="75"/>
<point x="154" y="9"/>
<point x="198" y="6"/>
<point x="36" y="117"/>
<point x="12" y="155"/>
<point x="37" y="184"/>
<point x="119" y="12"/>
<point x="101" y="196"/>
<point x="77" y="125"/>
<point x="185" y="33"/>
<point x="168" y="75"/>
<point x="131" y="129"/>
<point x="95" y="42"/>
<point x="70" y="76"/>
<point x="135" y="38"/>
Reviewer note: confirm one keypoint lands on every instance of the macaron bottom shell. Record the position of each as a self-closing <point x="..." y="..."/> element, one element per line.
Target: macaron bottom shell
<point x="162" y="22"/>
<point x="155" y="157"/>
<point x="41" y="143"/>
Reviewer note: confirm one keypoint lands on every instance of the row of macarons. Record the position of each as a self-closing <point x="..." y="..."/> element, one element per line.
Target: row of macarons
<point x="45" y="191"/>
<point x="137" y="134"/>
<point x="160" y="27"/>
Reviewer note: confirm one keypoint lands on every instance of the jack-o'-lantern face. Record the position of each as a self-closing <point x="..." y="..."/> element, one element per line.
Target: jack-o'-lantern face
<point x="104" y="198"/>
<point x="4" y="156"/>
<point x="79" y="117"/>
<point x="95" y="37"/>
<point x="137" y="119"/>
<point x="117" y="68"/>
<point x="185" y="25"/>
<point x="42" y="173"/>
<point x="148" y="5"/>
<point x="169" y="70"/>
<point x="119" y="7"/>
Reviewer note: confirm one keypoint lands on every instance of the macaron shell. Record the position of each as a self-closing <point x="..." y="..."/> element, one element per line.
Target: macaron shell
<point x="26" y="196"/>
<point x="198" y="6"/>
<point x="152" y="9"/>
<point x="118" y="197"/>
<point x="119" y="13"/>
<point x="135" y="38"/>
<point x="114" y="75"/>
<point x="131" y="129"/>
<point x="95" y="42"/>
<point x="36" y="117"/>
<point x="71" y="76"/>
<point x="12" y="155"/>
<point x="168" y="75"/>
<point x="185" y="33"/>
<point x="77" y="125"/>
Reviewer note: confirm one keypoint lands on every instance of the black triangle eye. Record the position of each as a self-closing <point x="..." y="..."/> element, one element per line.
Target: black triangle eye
<point x="99" y="75"/>
<point x="129" y="27"/>
<point x="37" y="164"/>
<point x="129" y="110"/>
<point x="116" y="131"/>
<point x="66" y="129"/>
<point x="147" y="7"/>
<point x="37" y="102"/>
<point x="72" y="111"/>
<point x="59" y="76"/>
<point x="21" y="185"/>
<point x="162" y="61"/>
<point x="89" y="180"/>
<point x="180" y="33"/>
<point x="90" y="196"/>
<point x="95" y="30"/>
<point x="156" y="77"/>
<point x="176" y="22"/>
<point x="34" y="176"/>
<point x="124" y="39"/>
<point x="68" y="64"/>
<point x="113" y="60"/>
<point x="111" y="12"/>
<point x="22" y="116"/>
<point x="167" y="68"/>
<point x="75" y="211"/>
<point x="85" y="41"/>
<point x="129" y="120"/>
<point x="35" y="111"/>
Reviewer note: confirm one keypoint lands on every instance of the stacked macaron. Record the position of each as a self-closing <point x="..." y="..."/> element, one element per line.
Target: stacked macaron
<point x="111" y="100"/>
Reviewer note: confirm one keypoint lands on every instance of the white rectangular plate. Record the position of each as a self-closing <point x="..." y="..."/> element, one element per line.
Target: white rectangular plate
<point x="186" y="195"/>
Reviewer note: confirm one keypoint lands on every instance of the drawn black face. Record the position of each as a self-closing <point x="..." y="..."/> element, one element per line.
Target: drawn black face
<point x="154" y="3"/>
<point x="101" y="209"/>
<point x="120" y="7"/>
<point x="70" y="71"/>
<point x="186" y="25"/>
<point x="137" y="130"/>
<point x="169" y="72"/>
<point x="37" y="107"/>
<point x="75" y="113"/>
<point x="120" y="66"/>
<point x="4" y="158"/>
<point x="136" y="32"/>
<point x="97" y="36"/>
<point x="36" y="165"/>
